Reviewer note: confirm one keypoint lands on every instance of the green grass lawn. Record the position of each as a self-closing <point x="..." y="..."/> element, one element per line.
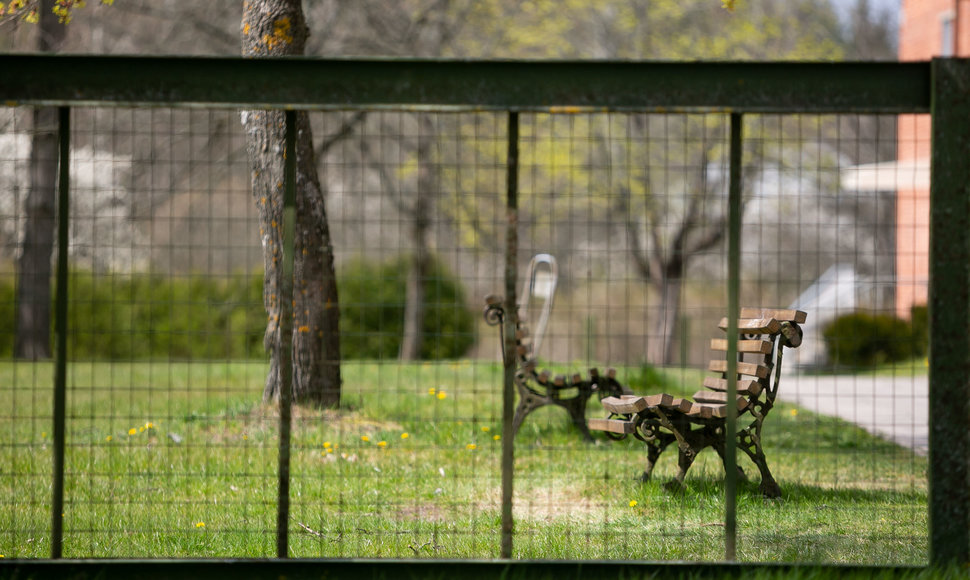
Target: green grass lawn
<point x="180" y="459"/>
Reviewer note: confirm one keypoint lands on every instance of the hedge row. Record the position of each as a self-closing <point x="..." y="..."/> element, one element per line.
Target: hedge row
<point x="863" y="339"/>
<point x="209" y="317"/>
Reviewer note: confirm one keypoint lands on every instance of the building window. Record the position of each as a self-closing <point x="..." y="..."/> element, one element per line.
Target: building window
<point x="947" y="38"/>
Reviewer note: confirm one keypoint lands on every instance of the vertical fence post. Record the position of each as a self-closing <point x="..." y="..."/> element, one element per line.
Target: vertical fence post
<point x="949" y="416"/>
<point x="734" y="290"/>
<point x="60" y="329"/>
<point x="512" y="316"/>
<point x="286" y="337"/>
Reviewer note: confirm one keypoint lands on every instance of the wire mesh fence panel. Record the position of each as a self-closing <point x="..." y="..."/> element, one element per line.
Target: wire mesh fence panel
<point x="175" y="298"/>
<point x="166" y="451"/>
<point x="409" y="464"/>
<point x="25" y="387"/>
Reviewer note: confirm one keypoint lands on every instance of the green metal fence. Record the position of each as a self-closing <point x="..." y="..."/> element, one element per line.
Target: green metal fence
<point x="513" y="89"/>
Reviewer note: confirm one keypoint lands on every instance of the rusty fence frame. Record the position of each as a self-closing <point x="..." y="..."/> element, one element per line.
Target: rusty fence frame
<point x="940" y="87"/>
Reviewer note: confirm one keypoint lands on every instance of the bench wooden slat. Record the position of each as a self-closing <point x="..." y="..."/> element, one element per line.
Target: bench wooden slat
<point x="706" y="411"/>
<point x="659" y="400"/>
<point x="679" y="404"/>
<point x="754" y="325"/>
<point x="745" y="387"/>
<point x="756" y="346"/>
<point x="612" y="425"/>
<point x="744" y="368"/>
<point x="781" y="315"/>
<point x="703" y="411"/>
<point x="629" y="404"/>
<point x="716" y="397"/>
<point x="624" y="404"/>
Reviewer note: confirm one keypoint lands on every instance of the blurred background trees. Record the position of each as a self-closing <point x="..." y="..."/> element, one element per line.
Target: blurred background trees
<point x="410" y="158"/>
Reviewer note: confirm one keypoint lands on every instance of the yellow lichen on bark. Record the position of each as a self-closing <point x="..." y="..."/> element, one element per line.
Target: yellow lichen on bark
<point x="281" y="34"/>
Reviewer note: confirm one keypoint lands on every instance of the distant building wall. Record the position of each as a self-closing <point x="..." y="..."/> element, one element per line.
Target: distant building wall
<point x="928" y="28"/>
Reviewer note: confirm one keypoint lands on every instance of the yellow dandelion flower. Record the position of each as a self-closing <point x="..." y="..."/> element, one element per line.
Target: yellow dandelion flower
<point x="132" y="431"/>
<point x="245" y="437"/>
<point x="441" y="395"/>
<point x="200" y="524"/>
<point x="364" y="438"/>
<point x="329" y="450"/>
<point x="327" y="445"/>
<point x="486" y="429"/>
<point x="471" y="447"/>
<point x="149" y="425"/>
<point x="431" y="391"/>
<point x="108" y="438"/>
<point x="496" y="437"/>
<point x="404" y="435"/>
<point x="793" y="412"/>
<point x="141" y="429"/>
<point x="43" y="434"/>
<point x="382" y="444"/>
<point x="633" y="503"/>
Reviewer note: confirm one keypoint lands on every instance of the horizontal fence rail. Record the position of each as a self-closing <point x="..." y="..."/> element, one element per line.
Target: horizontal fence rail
<point x="538" y="86"/>
<point x="510" y="110"/>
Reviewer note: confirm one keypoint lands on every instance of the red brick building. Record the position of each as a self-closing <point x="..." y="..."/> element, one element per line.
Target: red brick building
<point x="927" y="28"/>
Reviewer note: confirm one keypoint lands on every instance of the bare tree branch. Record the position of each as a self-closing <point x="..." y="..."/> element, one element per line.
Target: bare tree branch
<point x="346" y="129"/>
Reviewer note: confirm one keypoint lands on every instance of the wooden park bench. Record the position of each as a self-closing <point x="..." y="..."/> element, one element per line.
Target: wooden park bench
<point x="661" y="419"/>
<point x="538" y="388"/>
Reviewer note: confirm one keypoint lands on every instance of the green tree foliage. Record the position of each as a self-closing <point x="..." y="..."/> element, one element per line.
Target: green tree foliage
<point x="654" y="29"/>
<point x="372" y="311"/>
<point x="29" y="10"/>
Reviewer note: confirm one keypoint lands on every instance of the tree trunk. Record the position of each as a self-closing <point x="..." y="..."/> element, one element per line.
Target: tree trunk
<point x="663" y="333"/>
<point x="32" y="340"/>
<point x="277" y="28"/>
<point x="414" y="305"/>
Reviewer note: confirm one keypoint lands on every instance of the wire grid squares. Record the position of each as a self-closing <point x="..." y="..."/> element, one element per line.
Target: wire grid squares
<point x="173" y="451"/>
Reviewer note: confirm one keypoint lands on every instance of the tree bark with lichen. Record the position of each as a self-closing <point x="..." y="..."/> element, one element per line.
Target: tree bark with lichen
<point x="275" y="28"/>
<point x="32" y="340"/>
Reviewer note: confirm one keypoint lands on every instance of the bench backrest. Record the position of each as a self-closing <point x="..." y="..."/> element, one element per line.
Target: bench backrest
<point x="763" y="333"/>
<point x="535" y="305"/>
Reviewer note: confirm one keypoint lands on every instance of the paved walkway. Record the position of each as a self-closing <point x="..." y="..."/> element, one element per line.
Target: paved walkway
<point x="894" y="407"/>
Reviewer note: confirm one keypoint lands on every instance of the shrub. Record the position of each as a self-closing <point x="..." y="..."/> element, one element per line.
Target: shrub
<point x="8" y="316"/>
<point x="195" y="316"/>
<point x="863" y="339"/>
<point x="372" y="297"/>
<point x="650" y="379"/>
<point x="920" y="321"/>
